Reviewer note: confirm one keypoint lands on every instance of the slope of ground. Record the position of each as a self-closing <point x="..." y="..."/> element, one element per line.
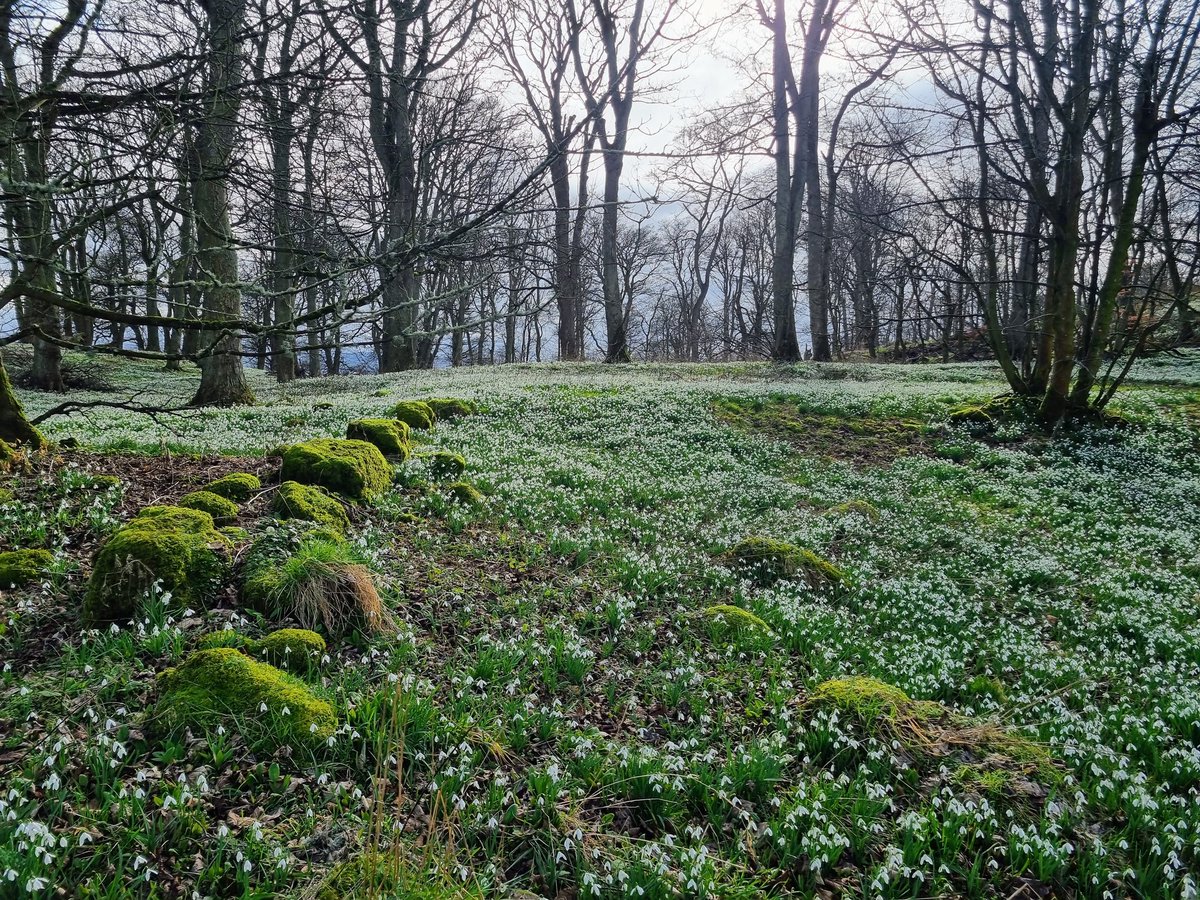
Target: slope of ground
<point x="570" y="710"/>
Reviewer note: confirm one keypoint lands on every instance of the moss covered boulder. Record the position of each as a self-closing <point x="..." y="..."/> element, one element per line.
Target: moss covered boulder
<point x="225" y="686"/>
<point x="465" y="493"/>
<point x="869" y="699"/>
<point x="354" y="469"/>
<point x="21" y="567"/>
<point x="444" y="464"/>
<point x="725" y="621"/>
<point x="173" y="545"/>
<point x="293" y="649"/>
<point x="221" y="509"/>
<point x="237" y="486"/>
<point x="226" y="637"/>
<point x="415" y="413"/>
<point x="310" y="504"/>
<point x="389" y="435"/>
<point x="766" y="561"/>
<point x="447" y="408"/>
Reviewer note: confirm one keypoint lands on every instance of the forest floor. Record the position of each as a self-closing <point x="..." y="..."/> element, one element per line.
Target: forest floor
<point x="1000" y="699"/>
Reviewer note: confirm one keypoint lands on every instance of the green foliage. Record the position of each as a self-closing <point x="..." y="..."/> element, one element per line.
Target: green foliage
<point x="221" y="509"/>
<point x="310" y="504"/>
<point x="223" y="685"/>
<point x="354" y="469"/>
<point x="236" y="486"/>
<point x="445" y="464"/>
<point x="768" y="560"/>
<point x="21" y="567"/>
<point x="174" y="546"/>
<point x="373" y="874"/>
<point x="320" y="582"/>
<point x="389" y="435"/>
<point x="448" y="408"/>
<point x="415" y="413"/>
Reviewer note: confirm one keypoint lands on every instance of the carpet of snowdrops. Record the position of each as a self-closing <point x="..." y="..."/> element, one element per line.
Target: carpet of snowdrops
<point x="573" y="725"/>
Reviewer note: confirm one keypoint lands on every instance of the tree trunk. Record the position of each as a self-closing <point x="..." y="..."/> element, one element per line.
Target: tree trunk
<point x="222" y="377"/>
<point x="15" y="427"/>
<point x="786" y="347"/>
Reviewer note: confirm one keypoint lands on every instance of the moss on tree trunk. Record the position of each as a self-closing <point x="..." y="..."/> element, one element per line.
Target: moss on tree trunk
<point x="15" y="427"/>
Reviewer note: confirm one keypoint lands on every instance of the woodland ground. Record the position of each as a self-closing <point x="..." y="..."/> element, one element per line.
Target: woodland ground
<point x="562" y="714"/>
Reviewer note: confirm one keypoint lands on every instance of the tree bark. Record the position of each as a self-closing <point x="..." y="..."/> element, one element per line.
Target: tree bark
<point x="222" y="376"/>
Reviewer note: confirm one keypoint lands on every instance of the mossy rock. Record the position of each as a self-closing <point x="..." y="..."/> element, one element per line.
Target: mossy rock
<point x="104" y="482"/>
<point x="226" y="637"/>
<point x="354" y="469"/>
<point x="7" y="496"/>
<point x="415" y="413"/>
<point x="768" y="560"/>
<point x="447" y="408"/>
<point x="21" y="567"/>
<point x="465" y="493"/>
<point x="310" y="504"/>
<point x="221" y="509"/>
<point x="293" y="649"/>
<point x="235" y="533"/>
<point x="223" y="685"/>
<point x="389" y="435"/>
<point x="446" y="464"/>
<point x="236" y="486"/>
<point x="870" y="699"/>
<point x="726" y="620"/>
<point x="868" y="511"/>
<point x="176" y="546"/>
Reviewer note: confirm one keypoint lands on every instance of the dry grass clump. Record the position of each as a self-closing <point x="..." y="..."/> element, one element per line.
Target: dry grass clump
<point x="321" y="584"/>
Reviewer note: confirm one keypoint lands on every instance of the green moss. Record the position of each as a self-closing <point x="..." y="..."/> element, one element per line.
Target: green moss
<point x="724" y="619"/>
<point x="870" y="699"/>
<point x="293" y="649"/>
<point x="416" y="413"/>
<point x="444" y="464"/>
<point x="223" y="685"/>
<point x="221" y="509"/>
<point x="21" y="567"/>
<point x="237" y="486"/>
<point x="768" y="560"/>
<point x="226" y="637"/>
<point x="11" y="457"/>
<point x="389" y="435"/>
<point x="465" y="493"/>
<point x="375" y="874"/>
<point x="176" y="546"/>
<point x="352" y="468"/>
<point x="6" y="496"/>
<point x="447" y="408"/>
<point x="990" y="782"/>
<point x="103" y="482"/>
<point x="868" y="511"/>
<point x="311" y="504"/>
